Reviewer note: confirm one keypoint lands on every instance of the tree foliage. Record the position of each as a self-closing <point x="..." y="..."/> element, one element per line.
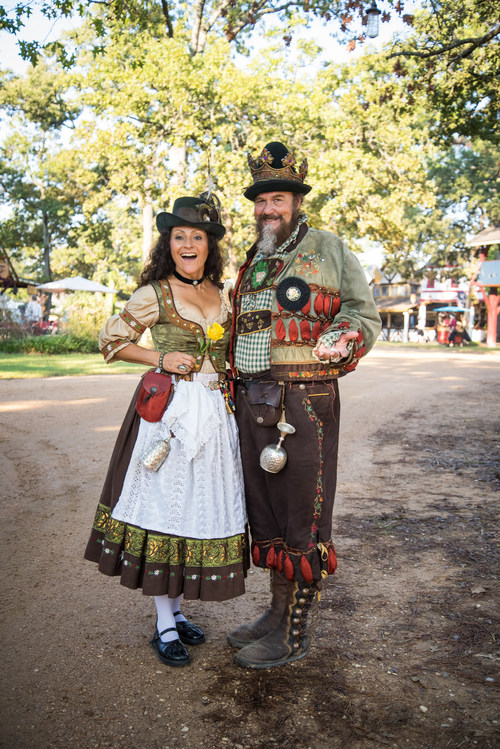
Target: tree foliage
<point x="56" y="214"/>
<point x="194" y="21"/>
<point x="145" y="117"/>
<point x="453" y="59"/>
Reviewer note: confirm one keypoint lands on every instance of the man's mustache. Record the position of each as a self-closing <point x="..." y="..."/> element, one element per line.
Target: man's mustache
<point x="271" y="216"/>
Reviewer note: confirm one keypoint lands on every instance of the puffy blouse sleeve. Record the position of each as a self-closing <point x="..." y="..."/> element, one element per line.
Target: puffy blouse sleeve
<point x="140" y="312"/>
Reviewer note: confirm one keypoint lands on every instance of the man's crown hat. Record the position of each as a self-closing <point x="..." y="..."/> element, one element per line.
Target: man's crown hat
<point x="275" y="170"/>
<point x="201" y="213"/>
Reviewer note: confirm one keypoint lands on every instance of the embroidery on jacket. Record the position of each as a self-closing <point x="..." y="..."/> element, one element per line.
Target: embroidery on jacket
<point x="252" y="321"/>
<point x="261" y="275"/>
<point x="308" y="262"/>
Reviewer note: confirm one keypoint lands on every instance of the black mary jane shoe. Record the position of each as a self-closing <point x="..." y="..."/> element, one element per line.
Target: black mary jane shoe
<point x="172" y="653"/>
<point x="189" y="634"/>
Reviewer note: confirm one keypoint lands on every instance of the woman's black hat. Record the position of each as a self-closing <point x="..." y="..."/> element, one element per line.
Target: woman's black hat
<point x="202" y="213"/>
<point x="275" y="170"/>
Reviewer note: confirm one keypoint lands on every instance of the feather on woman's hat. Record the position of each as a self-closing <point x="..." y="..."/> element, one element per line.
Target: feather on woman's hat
<point x="275" y="170"/>
<point x="201" y="213"/>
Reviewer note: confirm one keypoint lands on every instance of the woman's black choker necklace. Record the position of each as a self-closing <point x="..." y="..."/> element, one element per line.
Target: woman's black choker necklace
<point x="189" y="281"/>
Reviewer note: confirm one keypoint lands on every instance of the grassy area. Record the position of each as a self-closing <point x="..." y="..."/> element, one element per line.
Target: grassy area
<point x="16" y="366"/>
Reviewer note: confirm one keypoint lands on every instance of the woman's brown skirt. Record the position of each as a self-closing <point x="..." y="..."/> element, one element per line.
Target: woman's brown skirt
<point x="160" y="564"/>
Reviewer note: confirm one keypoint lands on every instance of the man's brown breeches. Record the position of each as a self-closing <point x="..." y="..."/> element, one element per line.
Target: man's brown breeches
<point x="290" y="513"/>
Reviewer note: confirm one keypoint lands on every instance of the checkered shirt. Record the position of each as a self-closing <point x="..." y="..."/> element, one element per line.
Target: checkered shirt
<point x="252" y="352"/>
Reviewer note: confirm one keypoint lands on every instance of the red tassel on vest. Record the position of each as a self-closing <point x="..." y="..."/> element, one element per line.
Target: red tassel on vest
<point x="316" y="331"/>
<point x="326" y="305"/>
<point x="305" y="330"/>
<point x="293" y="331"/>
<point x="280" y="330"/>
<point x="306" y="570"/>
<point x="279" y="561"/>
<point x="335" y="306"/>
<point x="306" y="308"/>
<point x="318" y="304"/>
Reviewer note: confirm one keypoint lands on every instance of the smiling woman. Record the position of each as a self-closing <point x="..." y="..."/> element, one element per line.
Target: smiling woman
<point x="171" y="519"/>
<point x="189" y="248"/>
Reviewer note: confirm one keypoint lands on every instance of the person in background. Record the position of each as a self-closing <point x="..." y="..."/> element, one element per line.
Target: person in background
<point x="458" y="333"/>
<point x="33" y="314"/>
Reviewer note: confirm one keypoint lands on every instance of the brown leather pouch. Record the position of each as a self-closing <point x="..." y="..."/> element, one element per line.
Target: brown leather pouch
<point x="264" y="401"/>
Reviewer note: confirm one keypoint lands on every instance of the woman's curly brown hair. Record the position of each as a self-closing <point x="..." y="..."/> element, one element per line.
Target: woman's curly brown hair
<point x="160" y="263"/>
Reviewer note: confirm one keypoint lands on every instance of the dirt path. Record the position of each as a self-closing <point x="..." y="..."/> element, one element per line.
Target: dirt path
<point x="405" y="653"/>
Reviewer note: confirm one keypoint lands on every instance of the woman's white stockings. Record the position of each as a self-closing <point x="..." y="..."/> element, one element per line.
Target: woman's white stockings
<point x="165" y="608"/>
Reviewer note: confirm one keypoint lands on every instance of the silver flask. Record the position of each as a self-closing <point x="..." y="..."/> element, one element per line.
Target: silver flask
<point x="155" y="455"/>
<point x="273" y="457"/>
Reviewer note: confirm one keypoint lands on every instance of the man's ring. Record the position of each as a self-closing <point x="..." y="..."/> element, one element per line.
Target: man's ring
<point x="182" y="368"/>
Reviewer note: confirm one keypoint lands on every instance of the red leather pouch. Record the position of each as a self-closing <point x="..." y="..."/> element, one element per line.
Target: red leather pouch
<point x="152" y="400"/>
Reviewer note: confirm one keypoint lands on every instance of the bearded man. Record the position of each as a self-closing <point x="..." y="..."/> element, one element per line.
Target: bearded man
<point x="303" y="317"/>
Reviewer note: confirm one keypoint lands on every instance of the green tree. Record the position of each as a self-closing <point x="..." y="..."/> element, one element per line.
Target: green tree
<point x="453" y="60"/>
<point x="195" y="21"/>
<point x="158" y="115"/>
<point x="370" y="162"/>
<point x="55" y="211"/>
<point x="29" y="168"/>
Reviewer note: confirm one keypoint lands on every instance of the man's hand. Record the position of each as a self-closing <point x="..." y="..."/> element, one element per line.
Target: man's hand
<point x="337" y="352"/>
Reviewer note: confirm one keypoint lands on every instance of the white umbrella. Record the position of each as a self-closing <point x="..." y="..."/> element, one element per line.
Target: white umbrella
<point x="76" y="283"/>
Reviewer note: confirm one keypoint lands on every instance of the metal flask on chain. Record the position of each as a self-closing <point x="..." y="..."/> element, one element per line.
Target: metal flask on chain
<point x="155" y="455"/>
<point x="273" y="457"/>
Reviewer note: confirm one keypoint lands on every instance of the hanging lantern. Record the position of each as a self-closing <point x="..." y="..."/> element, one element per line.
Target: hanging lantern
<point x="372" y="25"/>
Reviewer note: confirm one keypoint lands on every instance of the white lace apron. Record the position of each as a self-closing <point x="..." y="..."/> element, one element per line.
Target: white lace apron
<point x="198" y="491"/>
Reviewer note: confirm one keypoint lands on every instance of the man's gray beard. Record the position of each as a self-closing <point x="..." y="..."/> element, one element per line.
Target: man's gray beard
<point x="270" y="239"/>
<point x="267" y="240"/>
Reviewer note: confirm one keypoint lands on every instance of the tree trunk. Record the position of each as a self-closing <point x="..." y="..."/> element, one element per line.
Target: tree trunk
<point x="147" y="220"/>
<point x="231" y="254"/>
<point x="178" y="156"/>
<point x="195" y="33"/>
<point x="46" y="246"/>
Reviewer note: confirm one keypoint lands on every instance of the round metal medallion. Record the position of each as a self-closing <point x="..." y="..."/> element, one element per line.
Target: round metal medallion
<point x="293" y="293"/>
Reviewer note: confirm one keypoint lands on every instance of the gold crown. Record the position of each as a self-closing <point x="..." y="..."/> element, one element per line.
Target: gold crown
<point x="261" y="168"/>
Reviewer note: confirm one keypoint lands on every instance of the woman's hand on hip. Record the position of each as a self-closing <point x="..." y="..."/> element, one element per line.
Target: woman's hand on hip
<point x="177" y="362"/>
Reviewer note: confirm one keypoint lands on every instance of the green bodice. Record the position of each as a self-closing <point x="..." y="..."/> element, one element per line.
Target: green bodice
<point x="175" y="333"/>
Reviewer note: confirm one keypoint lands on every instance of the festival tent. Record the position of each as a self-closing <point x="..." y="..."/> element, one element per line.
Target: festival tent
<point x="76" y="283"/>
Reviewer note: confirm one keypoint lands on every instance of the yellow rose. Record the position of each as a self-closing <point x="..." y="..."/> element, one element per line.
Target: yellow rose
<point x="215" y="331"/>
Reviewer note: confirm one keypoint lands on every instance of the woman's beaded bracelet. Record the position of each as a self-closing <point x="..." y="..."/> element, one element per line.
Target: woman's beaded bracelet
<point x="160" y="363"/>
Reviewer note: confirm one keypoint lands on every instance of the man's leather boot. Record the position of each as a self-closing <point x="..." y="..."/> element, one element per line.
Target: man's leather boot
<point x="290" y="640"/>
<point x="248" y="633"/>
